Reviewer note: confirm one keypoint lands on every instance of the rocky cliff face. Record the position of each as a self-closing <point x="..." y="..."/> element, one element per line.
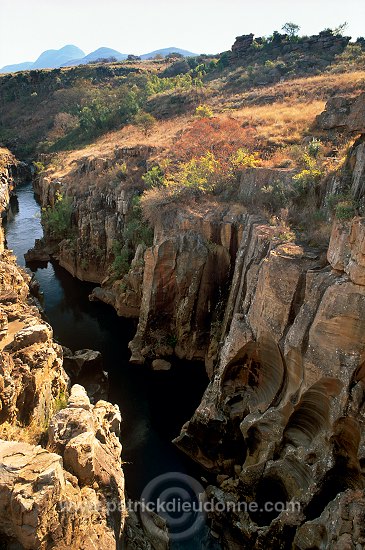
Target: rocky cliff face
<point x="324" y="45"/>
<point x="71" y="495"/>
<point x="185" y="281"/>
<point x="177" y="288"/>
<point x="102" y="199"/>
<point x="11" y="172"/>
<point x="173" y="287"/>
<point x="286" y="397"/>
<point x="283" y="417"/>
<point x="61" y="481"/>
<point x="347" y="115"/>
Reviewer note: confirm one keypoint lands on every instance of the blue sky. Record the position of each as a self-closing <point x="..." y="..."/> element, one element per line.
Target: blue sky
<point x="32" y="26"/>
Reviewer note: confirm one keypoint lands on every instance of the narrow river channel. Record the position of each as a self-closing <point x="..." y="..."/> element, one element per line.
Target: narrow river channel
<point x="154" y="405"/>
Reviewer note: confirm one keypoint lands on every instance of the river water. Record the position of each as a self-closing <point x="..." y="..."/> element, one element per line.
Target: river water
<point x="154" y="405"/>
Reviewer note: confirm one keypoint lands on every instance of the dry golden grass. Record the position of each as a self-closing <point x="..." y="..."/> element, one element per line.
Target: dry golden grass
<point x="280" y="123"/>
<point x="320" y="87"/>
<point x="263" y="126"/>
<point x="161" y="137"/>
<point x="26" y="434"/>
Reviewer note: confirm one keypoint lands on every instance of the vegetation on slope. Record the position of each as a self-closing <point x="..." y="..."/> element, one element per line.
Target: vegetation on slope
<point x="207" y="120"/>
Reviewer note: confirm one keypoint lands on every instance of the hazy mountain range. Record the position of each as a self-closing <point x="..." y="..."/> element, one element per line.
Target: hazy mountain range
<point x="70" y="55"/>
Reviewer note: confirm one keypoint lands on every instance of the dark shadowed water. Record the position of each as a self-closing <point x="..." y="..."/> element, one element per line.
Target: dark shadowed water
<point x="153" y="405"/>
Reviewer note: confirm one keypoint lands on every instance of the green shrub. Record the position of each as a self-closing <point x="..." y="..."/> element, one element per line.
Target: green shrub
<point x="117" y="172"/>
<point x="275" y="196"/>
<point x="243" y="159"/>
<point x="345" y="210"/>
<point x="306" y="181"/>
<point x="351" y="59"/>
<point x="39" y="167"/>
<point x="93" y="118"/>
<point x="60" y="402"/>
<point x="153" y="177"/>
<point x="135" y="232"/>
<point x="314" y="147"/>
<point x="56" y="220"/>
<point x="129" y="105"/>
<point x="198" y="173"/>
<point x="121" y="262"/>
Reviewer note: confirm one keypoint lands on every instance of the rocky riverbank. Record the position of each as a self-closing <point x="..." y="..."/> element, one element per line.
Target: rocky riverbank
<point x="61" y="480"/>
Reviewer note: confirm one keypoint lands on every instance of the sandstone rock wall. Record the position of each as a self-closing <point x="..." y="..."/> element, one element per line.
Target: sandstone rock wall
<point x="347" y="115"/>
<point x="283" y="416"/>
<point x="11" y="172"/>
<point x="174" y="287"/>
<point x="283" y="336"/>
<point x="185" y="281"/>
<point x="343" y="113"/>
<point x="71" y="496"/>
<point x="101" y="202"/>
<point x="31" y="373"/>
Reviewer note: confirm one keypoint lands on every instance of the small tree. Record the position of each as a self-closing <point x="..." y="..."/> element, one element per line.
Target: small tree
<point x="56" y="220"/>
<point x="132" y="57"/>
<point x="173" y="55"/>
<point x="145" y="121"/>
<point x="63" y="124"/>
<point x="291" y="29"/>
<point x="338" y="31"/>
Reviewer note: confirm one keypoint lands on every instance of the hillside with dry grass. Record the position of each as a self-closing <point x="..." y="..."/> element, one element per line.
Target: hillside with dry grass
<point x="201" y="123"/>
<point x="49" y="111"/>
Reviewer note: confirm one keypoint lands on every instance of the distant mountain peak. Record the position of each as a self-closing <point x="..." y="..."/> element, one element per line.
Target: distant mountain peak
<point x="167" y="51"/>
<point x="71" y="55"/>
<point x="51" y="59"/>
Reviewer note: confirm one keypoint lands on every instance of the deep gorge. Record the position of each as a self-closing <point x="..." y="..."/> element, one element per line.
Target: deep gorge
<point x="153" y="405"/>
<point x="224" y="297"/>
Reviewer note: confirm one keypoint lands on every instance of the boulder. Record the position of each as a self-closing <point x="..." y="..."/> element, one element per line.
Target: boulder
<point x="78" y="398"/>
<point x="34" y="334"/>
<point x="42" y="506"/>
<point x="67" y="424"/>
<point x="346" y="250"/>
<point x="39" y="253"/>
<point x="340" y="526"/>
<point x="88" y="437"/>
<point x="85" y="367"/>
<point x="161" y="364"/>
<point x="32" y="484"/>
<point x="81" y="360"/>
<point x="343" y="113"/>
